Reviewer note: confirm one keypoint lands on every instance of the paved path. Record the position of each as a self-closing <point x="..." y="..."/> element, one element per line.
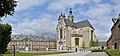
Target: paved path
<point x="71" y="54"/>
<point x="97" y="54"/>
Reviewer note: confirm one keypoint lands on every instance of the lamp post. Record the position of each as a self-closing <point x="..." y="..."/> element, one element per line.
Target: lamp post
<point x="14" y="49"/>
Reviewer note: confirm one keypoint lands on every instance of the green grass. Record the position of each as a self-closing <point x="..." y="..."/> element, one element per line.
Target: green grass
<point x="112" y="52"/>
<point x="35" y="53"/>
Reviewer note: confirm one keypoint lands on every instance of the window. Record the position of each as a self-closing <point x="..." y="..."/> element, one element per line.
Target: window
<point x="60" y="33"/>
<point x="119" y="26"/>
<point x="76" y="41"/>
<point x="91" y="34"/>
<point x="72" y="20"/>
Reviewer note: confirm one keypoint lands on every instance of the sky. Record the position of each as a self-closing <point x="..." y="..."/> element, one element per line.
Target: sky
<point x="39" y="17"/>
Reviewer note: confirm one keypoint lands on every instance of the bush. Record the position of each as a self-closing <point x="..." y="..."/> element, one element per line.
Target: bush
<point x="111" y="52"/>
<point x="8" y="52"/>
<point x="97" y="51"/>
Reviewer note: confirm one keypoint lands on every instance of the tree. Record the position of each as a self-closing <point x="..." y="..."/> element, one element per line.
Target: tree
<point x="7" y="7"/>
<point x="97" y="42"/>
<point x="5" y="37"/>
<point x="93" y="43"/>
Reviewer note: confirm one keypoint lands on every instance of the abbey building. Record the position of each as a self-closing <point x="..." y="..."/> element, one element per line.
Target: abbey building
<point x="72" y="35"/>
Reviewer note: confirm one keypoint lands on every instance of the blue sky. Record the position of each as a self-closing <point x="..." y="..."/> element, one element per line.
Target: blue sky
<point x="40" y="16"/>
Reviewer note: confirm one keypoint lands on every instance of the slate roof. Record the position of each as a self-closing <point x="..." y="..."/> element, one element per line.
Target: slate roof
<point x="31" y="37"/>
<point x="80" y="24"/>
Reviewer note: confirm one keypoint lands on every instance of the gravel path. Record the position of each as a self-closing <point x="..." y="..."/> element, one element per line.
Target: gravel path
<point x="71" y="54"/>
<point x="97" y="54"/>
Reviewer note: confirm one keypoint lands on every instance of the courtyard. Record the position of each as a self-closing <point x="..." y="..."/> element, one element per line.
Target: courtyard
<point x="58" y="53"/>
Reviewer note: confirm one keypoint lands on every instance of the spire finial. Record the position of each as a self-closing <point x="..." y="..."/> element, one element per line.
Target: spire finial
<point x="119" y="16"/>
<point x="61" y="13"/>
<point x="70" y="10"/>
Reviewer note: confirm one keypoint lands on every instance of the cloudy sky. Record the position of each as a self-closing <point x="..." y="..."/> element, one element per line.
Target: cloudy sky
<point x="40" y="16"/>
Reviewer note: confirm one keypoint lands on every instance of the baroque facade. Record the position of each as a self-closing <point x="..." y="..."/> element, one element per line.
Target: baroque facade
<point x="71" y="35"/>
<point x="114" y="40"/>
<point x="31" y="43"/>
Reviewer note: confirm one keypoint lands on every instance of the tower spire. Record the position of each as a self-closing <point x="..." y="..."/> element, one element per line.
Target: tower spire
<point x="70" y="16"/>
<point x="70" y="11"/>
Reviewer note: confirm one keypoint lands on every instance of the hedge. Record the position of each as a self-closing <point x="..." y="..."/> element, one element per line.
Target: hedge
<point x="114" y="52"/>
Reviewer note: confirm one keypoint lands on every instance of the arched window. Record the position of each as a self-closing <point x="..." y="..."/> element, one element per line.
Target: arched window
<point x="91" y="34"/>
<point x="76" y="41"/>
<point x="60" y="33"/>
<point x="115" y="45"/>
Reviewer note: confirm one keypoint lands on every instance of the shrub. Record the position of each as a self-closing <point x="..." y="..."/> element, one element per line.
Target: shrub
<point x="111" y="52"/>
<point x="97" y="51"/>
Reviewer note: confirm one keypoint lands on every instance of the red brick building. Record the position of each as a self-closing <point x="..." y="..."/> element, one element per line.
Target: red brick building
<point x="31" y="43"/>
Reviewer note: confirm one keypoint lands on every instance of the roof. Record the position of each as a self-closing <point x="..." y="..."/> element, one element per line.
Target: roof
<point x="31" y="37"/>
<point x="69" y="23"/>
<point x="79" y="24"/>
<point x="102" y="43"/>
<point x="115" y="23"/>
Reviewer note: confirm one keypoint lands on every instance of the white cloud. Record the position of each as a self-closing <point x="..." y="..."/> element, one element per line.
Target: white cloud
<point x="28" y="4"/>
<point x="41" y="25"/>
<point x="100" y="19"/>
<point x="61" y="5"/>
<point x="99" y="12"/>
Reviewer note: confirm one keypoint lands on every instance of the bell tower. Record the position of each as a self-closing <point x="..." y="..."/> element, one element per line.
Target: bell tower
<point x="70" y="16"/>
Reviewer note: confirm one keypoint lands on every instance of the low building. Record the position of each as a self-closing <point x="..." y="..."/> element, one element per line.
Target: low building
<point x="102" y="44"/>
<point x="31" y="43"/>
<point x="114" y="40"/>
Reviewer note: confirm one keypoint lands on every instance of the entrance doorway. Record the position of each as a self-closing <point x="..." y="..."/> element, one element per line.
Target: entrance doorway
<point x="115" y="45"/>
<point x="75" y="49"/>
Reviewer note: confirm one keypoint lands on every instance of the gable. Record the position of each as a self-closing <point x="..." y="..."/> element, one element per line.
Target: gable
<point x="117" y="24"/>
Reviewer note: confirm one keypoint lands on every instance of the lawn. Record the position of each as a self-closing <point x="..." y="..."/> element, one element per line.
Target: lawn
<point x="35" y="53"/>
<point x="110" y="52"/>
<point x="113" y="52"/>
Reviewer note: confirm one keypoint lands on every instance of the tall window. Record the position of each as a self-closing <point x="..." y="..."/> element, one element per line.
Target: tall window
<point x="76" y="41"/>
<point x="60" y="33"/>
<point x="91" y="34"/>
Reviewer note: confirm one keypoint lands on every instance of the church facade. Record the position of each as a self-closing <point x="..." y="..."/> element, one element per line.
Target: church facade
<point x="73" y="35"/>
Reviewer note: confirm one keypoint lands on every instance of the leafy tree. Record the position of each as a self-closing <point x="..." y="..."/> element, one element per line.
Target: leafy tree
<point x="93" y="43"/>
<point x="5" y="37"/>
<point x="7" y="7"/>
<point x="97" y="42"/>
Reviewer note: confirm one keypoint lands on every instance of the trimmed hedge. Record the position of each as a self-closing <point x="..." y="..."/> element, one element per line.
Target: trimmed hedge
<point x="111" y="52"/>
<point x="97" y="50"/>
